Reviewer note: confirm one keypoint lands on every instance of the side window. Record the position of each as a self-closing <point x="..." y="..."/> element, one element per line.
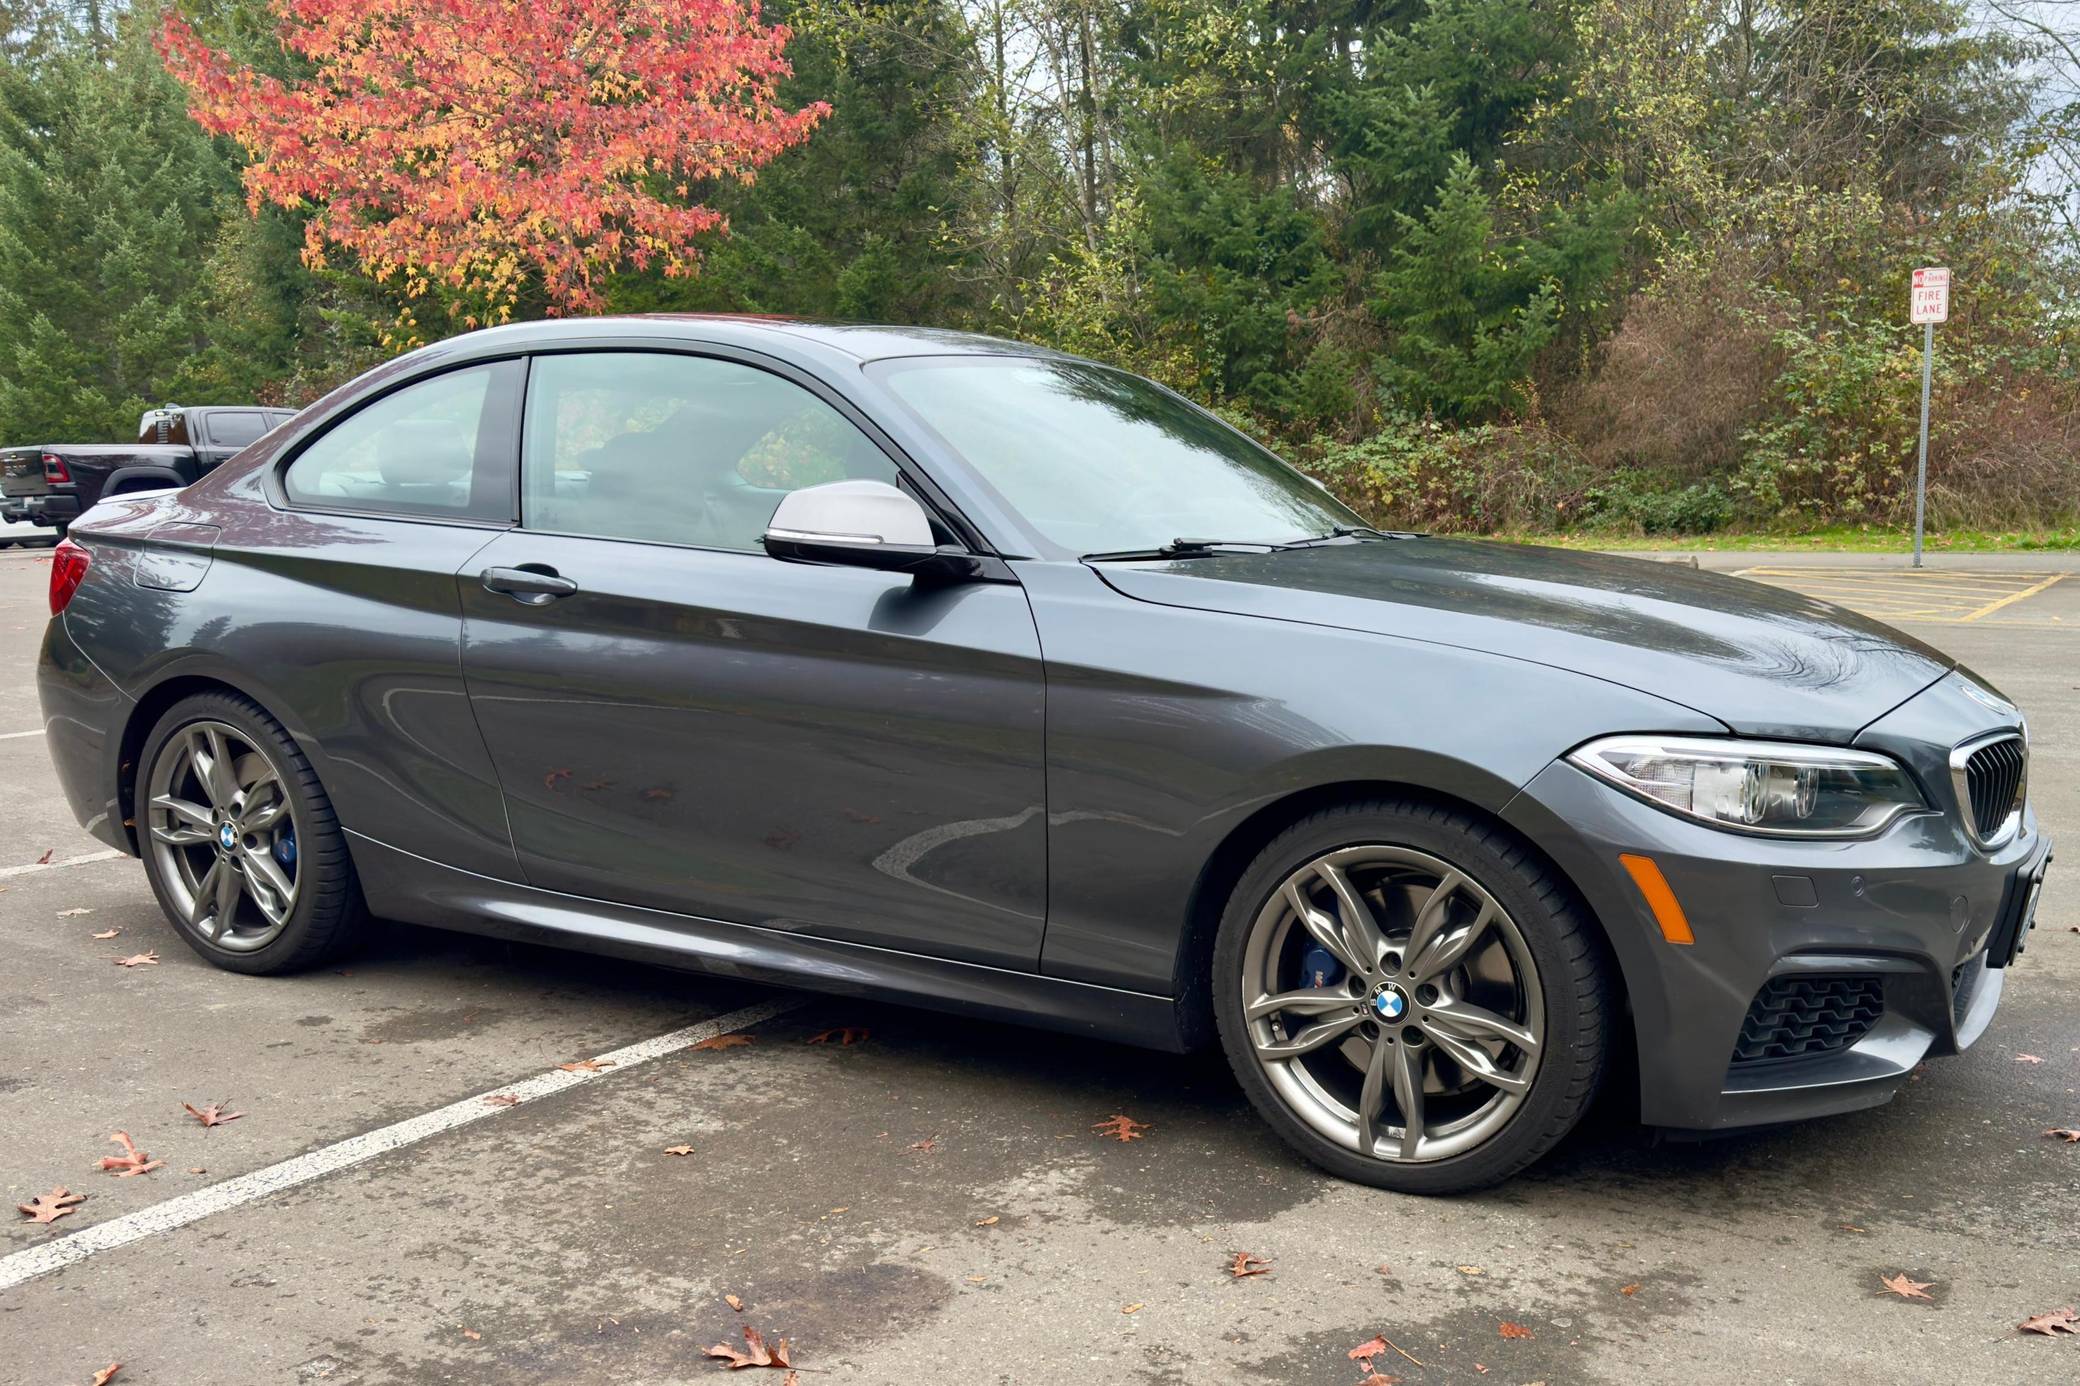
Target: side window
<point x="415" y="451"/>
<point x="234" y="428"/>
<point x="676" y="449"/>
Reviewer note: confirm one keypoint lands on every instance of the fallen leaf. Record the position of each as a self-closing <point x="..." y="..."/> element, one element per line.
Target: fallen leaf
<point x="733" y="1302"/>
<point x="599" y="784"/>
<point x="1375" y="1379"/>
<point x="1852" y="1227"/>
<point x="73" y="913"/>
<point x="108" y="933"/>
<point x="587" y="1066"/>
<point x="842" y="1036"/>
<point x="502" y="1099"/>
<point x="1121" y="1127"/>
<point x="1905" y="1288"/>
<point x="658" y="794"/>
<point x="2027" y="1059"/>
<point x="197" y="1169"/>
<point x="2052" y="1324"/>
<point x="146" y="959"/>
<point x="757" y="1352"/>
<point x="723" y="1041"/>
<point x="990" y="1221"/>
<point x="212" y="1115"/>
<point x="471" y="1334"/>
<point x="49" y="1207"/>
<point x="1383" y="1269"/>
<point x="1631" y="1289"/>
<point x="132" y="1162"/>
<point x="1364" y="1352"/>
<point x="1134" y="1308"/>
<point x="2064" y="1133"/>
<point x="107" y="1374"/>
<point x="1513" y="1330"/>
<point x="1246" y="1264"/>
<point x="1471" y="1270"/>
<point x="929" y="1145"/>
<point x="554" y="778"/>
<point x="45" y="859"/>
<point x="678" y="1150"/>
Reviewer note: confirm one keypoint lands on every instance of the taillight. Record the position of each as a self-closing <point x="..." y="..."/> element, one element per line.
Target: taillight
<point x="55" y="470"/>
<point x="68" y="569"/>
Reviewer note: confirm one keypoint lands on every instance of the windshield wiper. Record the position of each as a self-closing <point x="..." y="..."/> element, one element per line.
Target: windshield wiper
<point x="1186" y="548"/>
<point x="1355" y="532"/>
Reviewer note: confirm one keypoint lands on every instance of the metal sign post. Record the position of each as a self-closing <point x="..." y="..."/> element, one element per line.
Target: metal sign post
<point x="1928" y="305"/>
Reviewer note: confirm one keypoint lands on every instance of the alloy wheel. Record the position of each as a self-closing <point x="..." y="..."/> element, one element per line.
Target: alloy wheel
<point x="222" y="832"/>
<point x="1392" y="1003"/>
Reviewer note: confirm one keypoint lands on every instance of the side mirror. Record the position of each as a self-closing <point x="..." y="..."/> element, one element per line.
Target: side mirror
<point x="859" y="524"/>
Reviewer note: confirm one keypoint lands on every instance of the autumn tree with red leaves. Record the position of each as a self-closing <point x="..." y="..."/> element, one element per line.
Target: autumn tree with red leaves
<point x="482" y="150"/>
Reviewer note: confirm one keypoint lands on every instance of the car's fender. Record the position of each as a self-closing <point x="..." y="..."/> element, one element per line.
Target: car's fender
<point x="1170" y="730"/>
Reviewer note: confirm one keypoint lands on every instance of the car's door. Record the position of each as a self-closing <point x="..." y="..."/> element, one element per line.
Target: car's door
<point x="332" y="592"/>
<point x="681" y="722"/>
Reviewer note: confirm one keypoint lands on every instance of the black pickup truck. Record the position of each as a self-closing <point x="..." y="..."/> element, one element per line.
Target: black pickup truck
<point x="53" y="484"/>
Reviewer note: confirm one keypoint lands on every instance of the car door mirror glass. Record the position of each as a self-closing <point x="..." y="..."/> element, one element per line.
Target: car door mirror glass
<point x="858" y="523"/>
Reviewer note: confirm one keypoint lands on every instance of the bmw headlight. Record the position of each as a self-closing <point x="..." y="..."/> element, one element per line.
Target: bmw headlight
<point x="1774" y="787"/>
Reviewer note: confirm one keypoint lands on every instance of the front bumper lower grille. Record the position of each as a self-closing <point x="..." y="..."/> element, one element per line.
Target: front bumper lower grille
<point x="1796" y="1017"/>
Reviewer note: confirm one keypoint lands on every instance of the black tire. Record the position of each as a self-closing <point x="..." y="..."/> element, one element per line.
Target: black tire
<point x="329" y="914"/>
<point x="1573" y="976"/>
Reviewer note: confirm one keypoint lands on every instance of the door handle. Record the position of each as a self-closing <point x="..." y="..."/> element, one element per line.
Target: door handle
<point x="533" y="584"/>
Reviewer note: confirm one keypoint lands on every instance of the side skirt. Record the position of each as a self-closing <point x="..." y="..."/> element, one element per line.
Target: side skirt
<point x="400" y="885"/>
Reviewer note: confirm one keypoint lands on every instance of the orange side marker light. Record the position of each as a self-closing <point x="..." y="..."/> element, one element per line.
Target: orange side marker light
<point x="1668" y="911"/>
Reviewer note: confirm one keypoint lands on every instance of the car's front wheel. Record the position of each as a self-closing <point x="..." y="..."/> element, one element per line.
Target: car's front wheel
<point x="239" y="840"/>
<point x="1409" y="997"/>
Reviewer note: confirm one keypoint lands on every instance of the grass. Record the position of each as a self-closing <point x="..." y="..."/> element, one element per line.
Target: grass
<point x="1835" y="539"/>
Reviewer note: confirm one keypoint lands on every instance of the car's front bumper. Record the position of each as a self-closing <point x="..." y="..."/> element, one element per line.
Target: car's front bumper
<point x="1908" y="916"/>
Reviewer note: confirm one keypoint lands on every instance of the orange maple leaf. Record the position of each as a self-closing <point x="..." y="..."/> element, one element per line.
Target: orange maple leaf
<point x="842" y="1036"/>
<point x="586" y="1065"/>
<point x="757" y="1352"/>
<point x="1904" y="1287"/>
<point x="60" y="1202"/>
<point x="132" y="1162"/>
<point x="1121" y="1127"/>
<point x="1513" y="1330"/>
<point x="2052" y="1324"/>
<point x="723" y="1041"/>
<point x="212" y="1115"/>
<point x="1246" y="1264"/>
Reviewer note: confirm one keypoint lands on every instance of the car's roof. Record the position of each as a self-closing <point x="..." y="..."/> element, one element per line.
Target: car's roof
<point x="862" y="341"/>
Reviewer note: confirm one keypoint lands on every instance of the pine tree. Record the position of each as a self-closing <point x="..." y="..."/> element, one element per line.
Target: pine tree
<point x="109" y="199"/>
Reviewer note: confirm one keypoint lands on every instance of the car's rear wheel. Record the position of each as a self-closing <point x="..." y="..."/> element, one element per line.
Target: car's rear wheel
<point x="240" y="842"/>
<point x="1409" y="997"/>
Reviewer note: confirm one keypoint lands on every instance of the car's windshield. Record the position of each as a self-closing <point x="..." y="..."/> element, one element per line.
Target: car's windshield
<point x="1097" y="460"/>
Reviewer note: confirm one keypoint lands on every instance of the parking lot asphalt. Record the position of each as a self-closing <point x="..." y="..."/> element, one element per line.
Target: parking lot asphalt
<point x="931" y="1203"/>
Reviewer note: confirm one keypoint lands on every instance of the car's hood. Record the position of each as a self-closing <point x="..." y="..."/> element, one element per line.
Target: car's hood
<point x="1763" y="660"/>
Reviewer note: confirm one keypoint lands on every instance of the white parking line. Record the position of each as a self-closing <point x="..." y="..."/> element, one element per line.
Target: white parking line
<point x="191" y="1207"/>
<point x="88" y="859"/>
<point x="17" y="736"/>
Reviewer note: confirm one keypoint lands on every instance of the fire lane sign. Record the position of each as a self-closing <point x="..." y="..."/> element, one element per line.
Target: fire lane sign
<point x="1931" y="296"/>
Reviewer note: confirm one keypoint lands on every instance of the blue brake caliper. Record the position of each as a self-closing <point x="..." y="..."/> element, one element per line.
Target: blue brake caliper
<point x="1319" y="968"/>
<point x="285" y="850"/>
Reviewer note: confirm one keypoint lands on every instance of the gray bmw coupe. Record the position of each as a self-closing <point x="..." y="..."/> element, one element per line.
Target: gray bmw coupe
<point x="944" y="669"/>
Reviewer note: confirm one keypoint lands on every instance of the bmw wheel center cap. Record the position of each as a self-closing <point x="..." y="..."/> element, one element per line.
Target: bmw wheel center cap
<point x="1390" y="1003"/>
<point x="227" y="836"/>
